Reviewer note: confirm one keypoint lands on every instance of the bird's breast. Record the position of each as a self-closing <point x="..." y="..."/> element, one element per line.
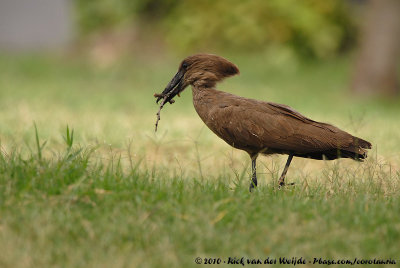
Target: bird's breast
<point x="205" y="102"/>
<point x="215" y="113"/>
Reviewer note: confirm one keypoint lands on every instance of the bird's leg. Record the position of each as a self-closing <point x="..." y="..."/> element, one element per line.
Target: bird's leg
<point x="253" y="182"/>
<point x="281" y="181"/>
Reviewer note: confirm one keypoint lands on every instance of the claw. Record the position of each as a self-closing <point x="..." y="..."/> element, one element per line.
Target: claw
<point x="283" y="184"/>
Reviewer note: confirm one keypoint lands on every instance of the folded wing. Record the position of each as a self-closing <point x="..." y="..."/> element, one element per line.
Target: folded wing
<point x="265" y="127"/>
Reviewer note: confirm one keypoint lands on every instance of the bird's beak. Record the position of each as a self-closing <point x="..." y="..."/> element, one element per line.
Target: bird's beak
<point x="173" y="88"/>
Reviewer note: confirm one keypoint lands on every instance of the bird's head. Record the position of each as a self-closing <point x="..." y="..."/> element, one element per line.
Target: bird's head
<point x="200" y="70"/>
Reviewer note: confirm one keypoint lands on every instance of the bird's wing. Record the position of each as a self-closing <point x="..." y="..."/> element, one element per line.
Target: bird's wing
<point x="257" y="124"/>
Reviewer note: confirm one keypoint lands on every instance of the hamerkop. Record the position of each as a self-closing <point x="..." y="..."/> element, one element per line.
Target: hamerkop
<point x="257" y="127"/>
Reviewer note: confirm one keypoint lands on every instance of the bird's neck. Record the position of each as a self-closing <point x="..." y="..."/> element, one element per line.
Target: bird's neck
<point x="203" y="100"/>
<point x="202" y="94"/>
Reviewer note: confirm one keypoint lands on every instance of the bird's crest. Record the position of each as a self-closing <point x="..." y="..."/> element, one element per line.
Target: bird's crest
<point x="207" y="69"/>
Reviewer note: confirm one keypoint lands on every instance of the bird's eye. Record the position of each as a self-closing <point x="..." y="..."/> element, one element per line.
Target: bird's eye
<point x="185" y="65"/>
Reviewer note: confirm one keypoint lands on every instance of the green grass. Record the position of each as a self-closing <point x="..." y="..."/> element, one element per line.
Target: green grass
<point x="106" y="191"/>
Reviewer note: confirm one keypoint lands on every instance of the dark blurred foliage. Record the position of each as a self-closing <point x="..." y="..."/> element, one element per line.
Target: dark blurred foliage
<point x="309" y="28"/>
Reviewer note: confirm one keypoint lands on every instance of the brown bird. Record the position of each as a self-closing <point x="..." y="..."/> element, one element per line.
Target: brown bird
<point x="254" y="126"/>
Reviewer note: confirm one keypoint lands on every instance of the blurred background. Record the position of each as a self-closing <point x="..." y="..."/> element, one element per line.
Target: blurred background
<point x="286" y="30"/>
<point x="127" y="196"/>
<point x="96" y="64"/>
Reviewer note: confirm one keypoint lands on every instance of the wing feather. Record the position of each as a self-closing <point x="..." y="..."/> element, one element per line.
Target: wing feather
<point x="246" y="123"/>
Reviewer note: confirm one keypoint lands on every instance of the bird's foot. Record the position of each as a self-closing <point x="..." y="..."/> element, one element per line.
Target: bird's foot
<point x="283" y="184"/>
<point x="252" y="186"/>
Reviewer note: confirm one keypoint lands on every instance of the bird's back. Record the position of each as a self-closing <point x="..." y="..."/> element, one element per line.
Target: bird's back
<point x="265" y="127"/>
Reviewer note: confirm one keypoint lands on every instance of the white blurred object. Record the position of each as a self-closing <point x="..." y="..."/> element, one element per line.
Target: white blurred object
<point x="32" y="25"/>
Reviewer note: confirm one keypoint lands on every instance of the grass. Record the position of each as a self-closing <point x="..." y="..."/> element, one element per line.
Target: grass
<point x="85" y="181"/>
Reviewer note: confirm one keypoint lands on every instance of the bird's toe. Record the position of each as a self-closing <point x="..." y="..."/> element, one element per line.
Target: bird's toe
<point x="283" y="184"/>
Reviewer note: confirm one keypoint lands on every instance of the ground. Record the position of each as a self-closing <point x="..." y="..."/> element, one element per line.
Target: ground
<point x="116" y="194"/>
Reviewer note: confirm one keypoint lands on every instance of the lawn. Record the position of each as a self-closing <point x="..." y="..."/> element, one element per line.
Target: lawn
<point x="116" y="194"/>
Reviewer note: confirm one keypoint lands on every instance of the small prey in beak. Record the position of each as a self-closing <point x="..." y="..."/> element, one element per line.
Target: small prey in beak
<point x="171" y="90"/>
<point x="159" y="96"/>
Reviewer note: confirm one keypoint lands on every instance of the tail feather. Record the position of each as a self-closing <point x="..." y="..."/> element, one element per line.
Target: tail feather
<point x="362" y="143"/>
<point x="357" y="151"/>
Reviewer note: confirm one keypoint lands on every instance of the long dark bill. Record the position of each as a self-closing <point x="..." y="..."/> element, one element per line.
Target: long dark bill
<point x="173" y="88"/>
